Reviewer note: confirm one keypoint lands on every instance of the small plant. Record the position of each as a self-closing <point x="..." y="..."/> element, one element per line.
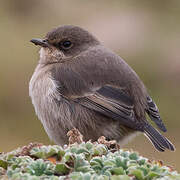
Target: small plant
<point x="102" y="160"/>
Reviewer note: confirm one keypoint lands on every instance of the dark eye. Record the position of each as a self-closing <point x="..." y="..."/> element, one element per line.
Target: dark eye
<point x="66" y="44"/>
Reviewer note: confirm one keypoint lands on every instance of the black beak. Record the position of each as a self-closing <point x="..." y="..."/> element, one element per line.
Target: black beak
<point x="40" y="42"/>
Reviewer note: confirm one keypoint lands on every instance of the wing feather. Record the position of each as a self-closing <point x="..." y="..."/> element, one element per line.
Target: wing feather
<point x="112" y="102"/>
<point x="153" y="113"/>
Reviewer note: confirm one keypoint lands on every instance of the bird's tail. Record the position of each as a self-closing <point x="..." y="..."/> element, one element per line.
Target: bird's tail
<point x="159" y="141"/>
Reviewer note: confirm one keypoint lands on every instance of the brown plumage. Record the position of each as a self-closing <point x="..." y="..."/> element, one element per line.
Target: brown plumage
<point x="80" y="83"/>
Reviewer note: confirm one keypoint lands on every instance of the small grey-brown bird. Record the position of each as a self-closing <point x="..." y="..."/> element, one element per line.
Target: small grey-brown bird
<point x="80" y="83"/>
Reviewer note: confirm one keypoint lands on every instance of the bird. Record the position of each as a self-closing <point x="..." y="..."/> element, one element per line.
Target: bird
<point x="79" y="83"/>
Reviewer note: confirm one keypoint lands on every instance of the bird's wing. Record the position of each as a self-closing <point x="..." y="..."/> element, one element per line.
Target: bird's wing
<point x="100" y="81"/>
<point x="113" y="103"/>
<point x="153" y="113"/>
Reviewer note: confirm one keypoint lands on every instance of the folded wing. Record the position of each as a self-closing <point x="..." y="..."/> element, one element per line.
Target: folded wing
<point x="114" y="103"/>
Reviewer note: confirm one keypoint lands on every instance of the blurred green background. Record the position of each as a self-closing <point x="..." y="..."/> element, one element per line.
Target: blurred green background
<point x="145" y="33"/>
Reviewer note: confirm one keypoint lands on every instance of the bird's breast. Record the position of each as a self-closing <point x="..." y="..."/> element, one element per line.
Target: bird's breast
<point x="41" y="89"/>
<point x="50" y="107"/>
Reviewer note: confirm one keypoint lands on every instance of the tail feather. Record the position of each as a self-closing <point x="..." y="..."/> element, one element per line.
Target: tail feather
<point x="159" y="141"/>
<point x="155" y="144"/>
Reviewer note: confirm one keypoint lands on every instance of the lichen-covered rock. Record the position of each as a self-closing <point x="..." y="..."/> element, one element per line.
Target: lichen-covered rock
<point x="84" y="161"/>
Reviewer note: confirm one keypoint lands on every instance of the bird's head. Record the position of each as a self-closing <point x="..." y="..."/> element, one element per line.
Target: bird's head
<point x="63" y="43"/>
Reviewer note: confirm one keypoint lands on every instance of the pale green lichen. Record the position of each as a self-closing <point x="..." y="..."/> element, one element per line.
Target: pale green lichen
<point x="85" y="161"/>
